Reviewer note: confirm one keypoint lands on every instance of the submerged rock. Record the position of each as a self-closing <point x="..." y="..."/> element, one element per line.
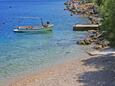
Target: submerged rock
<point x="10" y="6"/>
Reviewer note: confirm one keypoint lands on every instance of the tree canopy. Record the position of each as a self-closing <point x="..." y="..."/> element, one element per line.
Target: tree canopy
<point x="107" y="9"/>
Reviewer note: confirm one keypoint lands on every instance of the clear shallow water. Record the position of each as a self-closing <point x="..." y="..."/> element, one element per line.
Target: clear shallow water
<point x="23" y="53"/>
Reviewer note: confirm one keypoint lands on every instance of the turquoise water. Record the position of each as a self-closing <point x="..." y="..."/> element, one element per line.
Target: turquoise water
<point x="24" y="52"/>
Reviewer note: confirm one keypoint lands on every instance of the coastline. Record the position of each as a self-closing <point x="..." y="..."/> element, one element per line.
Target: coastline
<point x="66" y="74"/>
<point x="90" y="71"/>
<point x="24" y="53"/>
<point x="97" y="70"/>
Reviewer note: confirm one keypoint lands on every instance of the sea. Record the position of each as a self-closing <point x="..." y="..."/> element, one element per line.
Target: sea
<point x="26" y="53"/>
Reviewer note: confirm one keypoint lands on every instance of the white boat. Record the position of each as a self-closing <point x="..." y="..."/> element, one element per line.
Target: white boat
<point x="21" y="29"/>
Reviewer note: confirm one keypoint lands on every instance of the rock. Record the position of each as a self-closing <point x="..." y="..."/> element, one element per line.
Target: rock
<point x="98" y="47"/>
<point x="10" y="6"/>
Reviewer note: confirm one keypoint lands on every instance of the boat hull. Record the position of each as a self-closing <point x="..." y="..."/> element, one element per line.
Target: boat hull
<point x="35" y="29"/>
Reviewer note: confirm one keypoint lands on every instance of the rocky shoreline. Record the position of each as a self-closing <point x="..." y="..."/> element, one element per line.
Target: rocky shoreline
<point x="89" y="10"/>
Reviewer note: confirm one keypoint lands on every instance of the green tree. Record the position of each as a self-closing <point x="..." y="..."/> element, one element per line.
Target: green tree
<point x="109" y="20"/>
<point x="107" y="10"/>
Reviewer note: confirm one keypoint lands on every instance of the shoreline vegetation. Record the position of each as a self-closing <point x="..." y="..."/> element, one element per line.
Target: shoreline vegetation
<point x="98" y="70"/>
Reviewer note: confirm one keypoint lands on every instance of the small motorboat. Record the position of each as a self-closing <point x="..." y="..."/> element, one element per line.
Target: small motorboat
<point x="33" y="28"/>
